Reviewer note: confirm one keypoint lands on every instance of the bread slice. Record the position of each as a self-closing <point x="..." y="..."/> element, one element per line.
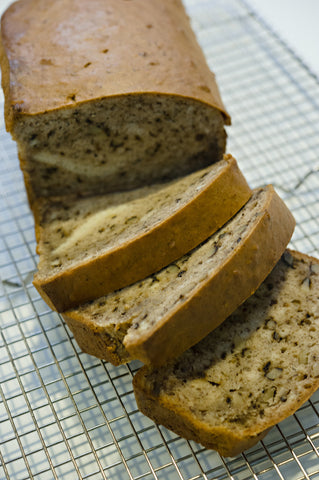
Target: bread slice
<point x="91" y="246"/>
<point x="99" y="99"/>
<point x="161" y="316"/>
<point x="255" y="370"/>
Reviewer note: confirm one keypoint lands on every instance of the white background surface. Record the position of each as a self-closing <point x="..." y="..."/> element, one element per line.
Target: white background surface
<point x="297" y="23"/>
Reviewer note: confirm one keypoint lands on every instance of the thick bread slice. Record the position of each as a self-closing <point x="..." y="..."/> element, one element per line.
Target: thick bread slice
<point x="99" y="99"/>
<point x="255" y="370"/>
<point x="91" y="246"/>
<point x="164" y="314"/>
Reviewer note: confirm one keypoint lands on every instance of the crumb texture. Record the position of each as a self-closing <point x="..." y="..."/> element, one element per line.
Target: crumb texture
<point x="99" y="100"/>
<point x="153" y="303"/>
<point x="256" y="369"/>
<point x="147" y="301"/>
<point x="76" y="230"/>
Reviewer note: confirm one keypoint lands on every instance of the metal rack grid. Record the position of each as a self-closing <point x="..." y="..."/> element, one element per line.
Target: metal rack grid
<point x="64" y="414"/>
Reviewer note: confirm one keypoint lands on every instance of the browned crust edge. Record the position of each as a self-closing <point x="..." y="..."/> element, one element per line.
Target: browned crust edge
<point x="137" y="259"/>
<point x="179" y="421"/>
<point x="15" y="110"/>
<point x="213" y="302"/>
<point x="225" y="441"/>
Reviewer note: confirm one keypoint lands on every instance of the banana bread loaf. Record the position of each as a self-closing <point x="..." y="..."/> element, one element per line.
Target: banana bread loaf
<point x="161" y="316"/>
<point x="255" y="370"/>
<point x="91" y="246"/>
<point x="100" y="99"/>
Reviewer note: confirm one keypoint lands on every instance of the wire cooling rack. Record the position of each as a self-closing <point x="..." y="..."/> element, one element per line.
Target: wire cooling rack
<point x="64" y="414"/>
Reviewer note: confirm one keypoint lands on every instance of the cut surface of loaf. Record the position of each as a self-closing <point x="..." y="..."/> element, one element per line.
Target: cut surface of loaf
<point x="94" y="245"/>
<point x="161" y="316"/>
<point x="255" y="370"/>
<point x="98" y="99"/>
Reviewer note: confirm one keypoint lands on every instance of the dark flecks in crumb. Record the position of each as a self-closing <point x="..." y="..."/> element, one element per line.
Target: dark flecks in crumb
<point x="154" y="279"/>
<point x="51" y="170"/>
<point x="72" y="97"/>
<point x="101" y="230"/>
<point x="204" y="175"/>
<point x="105" y="50"/>
<point x="277" y="337"/>
<point x="181" y="273"/>
<point x="199" y="137"/>
<point x="223" y="355"/>
<point x="305" y="321"/>
<point x="134" y="217"/>
<point x="243" y="352"/>
<point x="284" y="398"/>
<point x="214" y="384"/>
<point x="266" y="367"/>
<point x="273" y="302"/>
<point x="115" y="146"/>
<point x="228" y="400"/>
<point x="216" y="247"/>
<point x="269" y="286"/>
<point x="87" y="64"/>
<point x="135" y="326"/>
<point x="238" y="240"/>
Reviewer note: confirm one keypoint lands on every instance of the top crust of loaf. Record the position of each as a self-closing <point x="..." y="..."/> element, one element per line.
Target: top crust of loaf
<point x="59" y="54"/>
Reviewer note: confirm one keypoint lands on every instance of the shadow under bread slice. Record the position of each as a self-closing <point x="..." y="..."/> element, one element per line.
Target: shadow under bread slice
<point x="89" y="247"/>
<point x="253" y="371"/>
<point x="161" y="316"/>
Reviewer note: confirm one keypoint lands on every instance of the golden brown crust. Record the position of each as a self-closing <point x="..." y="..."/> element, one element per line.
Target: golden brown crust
<point x="156" y="391"/>
<point x="104" y="346"/>
<point x="137" y="259"/>
<point x="178" y="420"/>
<point x="235" y="281"/>
<point x="93" y="50"/>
